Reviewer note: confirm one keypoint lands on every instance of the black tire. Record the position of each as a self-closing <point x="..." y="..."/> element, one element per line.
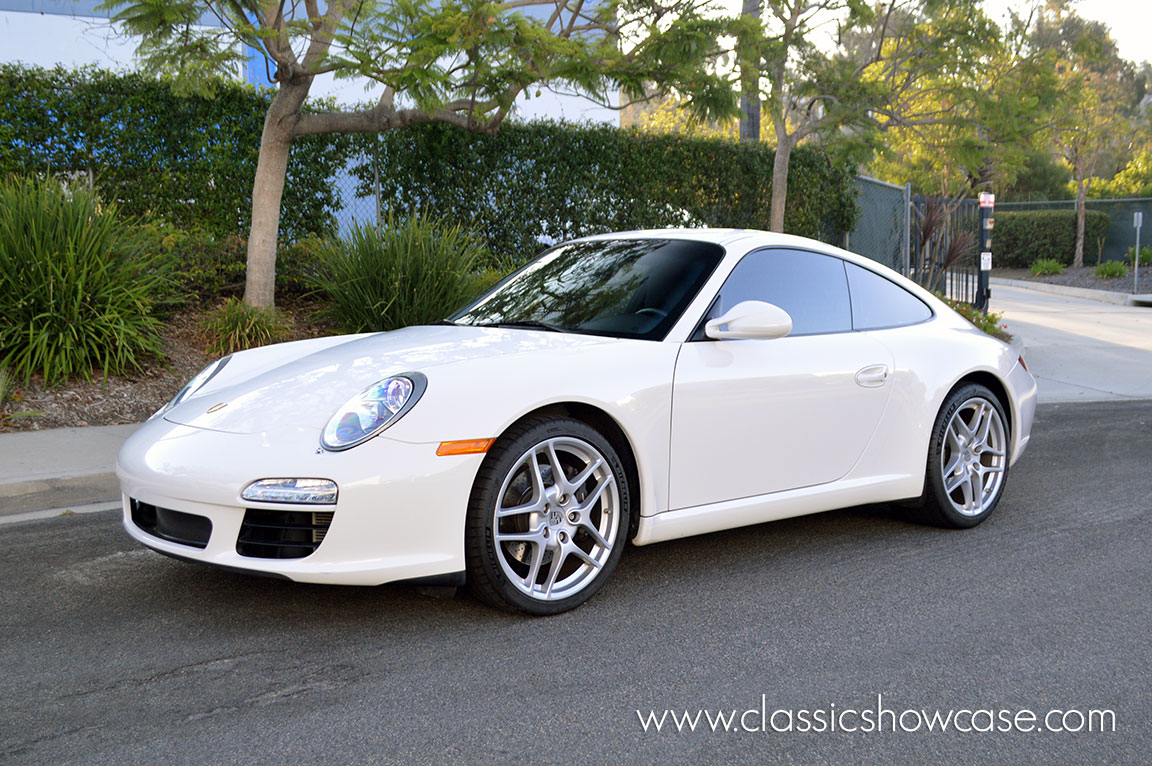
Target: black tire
<point x="514" y="575"/>
<point x="944" y="502"/>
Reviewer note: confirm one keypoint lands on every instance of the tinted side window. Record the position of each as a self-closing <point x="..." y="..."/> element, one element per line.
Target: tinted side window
<point x="811" y="287"/>
<point x="878" y="303"/>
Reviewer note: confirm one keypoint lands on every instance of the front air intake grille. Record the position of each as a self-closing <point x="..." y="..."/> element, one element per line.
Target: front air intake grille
<point x="281" y="534"/>
<point x="173" y="526"/>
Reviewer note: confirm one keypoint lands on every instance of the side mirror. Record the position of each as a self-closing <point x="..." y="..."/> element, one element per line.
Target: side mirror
<point x="750" y="319"/>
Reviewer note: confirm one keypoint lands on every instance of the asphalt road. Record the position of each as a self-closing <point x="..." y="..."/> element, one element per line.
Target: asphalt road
<point x="114" y="654"/>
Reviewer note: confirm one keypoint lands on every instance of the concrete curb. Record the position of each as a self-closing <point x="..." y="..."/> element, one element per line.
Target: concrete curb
<point x="33" y="475"/>
<point x="54" y="513"/>
<point x="1085" y="293"/>
<point x="24" y="496"/>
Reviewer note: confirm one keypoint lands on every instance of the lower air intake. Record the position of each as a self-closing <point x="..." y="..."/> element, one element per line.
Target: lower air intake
<point x="281" y="534"/>
<point x="173" y="526"/>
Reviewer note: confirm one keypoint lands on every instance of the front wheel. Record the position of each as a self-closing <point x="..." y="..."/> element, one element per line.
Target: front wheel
<point x="548" y="517"/>
<point x="967" y="459"/>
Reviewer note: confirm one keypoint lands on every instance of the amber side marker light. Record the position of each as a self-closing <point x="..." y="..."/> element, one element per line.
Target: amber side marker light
<point x="465" y="447"/>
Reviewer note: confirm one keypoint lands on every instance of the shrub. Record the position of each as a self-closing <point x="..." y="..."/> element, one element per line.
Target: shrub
<point x="298" y="266"/>
<point x="1022" y="237"/>
<point x="410" y="271"/>
<point x="205" y="268"/>
<point x="76" y="288"/>
<point x="7" y="387"/>
<point x="1111" y="270"/>
<point x="235" y="326"/>
<point x="987" y="321"/>
<point x="1145" y="255"/>
<point x="481" y="282"/>
<point x="8" y="393"/>
<point x="1044" y="266"/>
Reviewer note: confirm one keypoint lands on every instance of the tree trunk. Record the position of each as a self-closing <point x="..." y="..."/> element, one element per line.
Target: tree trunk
<point x="1081" y="214"/>
<point x="268" y="191"/>
<point x="749" y="115"/>
<point x="784" y="145"/>
<point x="750" y="87"/>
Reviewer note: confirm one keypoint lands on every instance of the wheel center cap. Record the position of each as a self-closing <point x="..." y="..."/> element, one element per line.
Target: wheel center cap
<point x="555" y="517"/>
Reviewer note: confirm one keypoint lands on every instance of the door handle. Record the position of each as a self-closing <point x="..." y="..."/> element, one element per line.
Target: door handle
<point x="872" y="376"/>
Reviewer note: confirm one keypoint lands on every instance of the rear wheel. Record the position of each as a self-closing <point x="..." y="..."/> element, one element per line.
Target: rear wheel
<point x="967" y="459"/>
<point x="548" y="517"/>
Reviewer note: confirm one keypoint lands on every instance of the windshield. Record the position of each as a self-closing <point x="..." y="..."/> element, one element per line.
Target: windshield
<point x="625" y="288"/>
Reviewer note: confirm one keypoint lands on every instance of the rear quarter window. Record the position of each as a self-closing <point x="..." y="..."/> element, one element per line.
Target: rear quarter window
<point x="879" y="303"/>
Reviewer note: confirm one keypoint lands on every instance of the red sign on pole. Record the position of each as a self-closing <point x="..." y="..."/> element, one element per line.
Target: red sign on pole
<point x="987" y="199"/>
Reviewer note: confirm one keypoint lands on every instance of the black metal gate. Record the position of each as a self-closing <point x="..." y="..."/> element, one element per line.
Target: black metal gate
<point x="944" y="255"/>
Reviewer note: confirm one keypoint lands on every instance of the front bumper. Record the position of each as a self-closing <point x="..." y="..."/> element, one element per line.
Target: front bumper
<point x="399" y="515"/>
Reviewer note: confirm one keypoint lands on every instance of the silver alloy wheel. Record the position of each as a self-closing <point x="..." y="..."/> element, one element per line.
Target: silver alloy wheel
<point x="973" y="456"/>
<point x="557" y="518"/>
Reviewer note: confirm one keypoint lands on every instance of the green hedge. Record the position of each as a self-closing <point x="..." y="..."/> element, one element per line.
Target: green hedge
<point x="184" y="159"/>
<point x="190" y="161"/>
<point x="537" y="183"/>
<point x="1022" y="237"/>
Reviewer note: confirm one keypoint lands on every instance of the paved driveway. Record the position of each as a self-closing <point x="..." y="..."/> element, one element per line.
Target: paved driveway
<point x="114" y="654"/>
<point x="1080" y="350"/>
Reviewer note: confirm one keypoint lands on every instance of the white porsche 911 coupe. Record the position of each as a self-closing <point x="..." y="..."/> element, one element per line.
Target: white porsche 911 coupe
<point x="641" y="386"/>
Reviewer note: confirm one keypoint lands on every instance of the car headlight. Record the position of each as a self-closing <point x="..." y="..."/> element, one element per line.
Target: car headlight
<point x="194" y="385"/>
<point x="373" y="410"/>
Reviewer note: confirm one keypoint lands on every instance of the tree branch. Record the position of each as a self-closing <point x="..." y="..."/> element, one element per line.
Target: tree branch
<point x="324" y="31"/>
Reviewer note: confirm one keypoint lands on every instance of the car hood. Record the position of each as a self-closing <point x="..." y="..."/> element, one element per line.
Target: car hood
<point x="304" y="392"/>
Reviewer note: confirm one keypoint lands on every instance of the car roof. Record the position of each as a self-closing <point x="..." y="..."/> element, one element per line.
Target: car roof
<point x="741" y="241"/>
<point x="747" y="239"/>
<point x="717" y="236"/>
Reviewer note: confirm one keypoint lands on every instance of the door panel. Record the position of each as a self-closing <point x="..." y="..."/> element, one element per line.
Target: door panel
<point x="750" y="417"/>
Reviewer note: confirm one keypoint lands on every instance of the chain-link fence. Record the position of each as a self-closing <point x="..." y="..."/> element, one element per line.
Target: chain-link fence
<point x="357" y="205"/>
<point x="890" y="228"/>
<point x="1121" y="232"/>
<point x="883" y="229"/>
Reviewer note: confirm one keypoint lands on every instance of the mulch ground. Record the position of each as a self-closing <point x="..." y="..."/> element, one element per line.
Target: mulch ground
<point x="1084" y="277"/>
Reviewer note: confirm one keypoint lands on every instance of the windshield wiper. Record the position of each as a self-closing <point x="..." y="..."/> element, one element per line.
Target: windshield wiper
<point x="530" y="324"/>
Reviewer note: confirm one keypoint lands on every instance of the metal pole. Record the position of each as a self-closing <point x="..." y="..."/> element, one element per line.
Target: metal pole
<point x="906" y="244"/>
<point x="1136" y="257"/>
<point x="376" y="186"/>
<point x="984" y="237"/>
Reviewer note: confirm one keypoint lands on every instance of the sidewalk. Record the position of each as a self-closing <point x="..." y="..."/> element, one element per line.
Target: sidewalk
<point x="59" y="467"/>
<point x="1079" y="350"/>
